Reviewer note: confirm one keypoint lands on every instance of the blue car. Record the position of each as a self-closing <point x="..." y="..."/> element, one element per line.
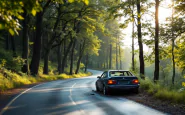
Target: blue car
<point x="113" y="80"/>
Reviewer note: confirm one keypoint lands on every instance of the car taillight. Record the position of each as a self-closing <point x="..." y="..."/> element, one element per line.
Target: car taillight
<point x="135" y="81"/>
<point x="110" y="82"/>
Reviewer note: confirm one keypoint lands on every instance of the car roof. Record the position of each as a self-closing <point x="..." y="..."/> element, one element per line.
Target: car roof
<point x="117" y="70"/>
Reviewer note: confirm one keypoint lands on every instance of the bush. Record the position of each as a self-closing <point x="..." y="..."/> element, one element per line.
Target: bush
<point x="10" y="62"/>
<point x="145" y="84"/>
<point x="12" y="80"/>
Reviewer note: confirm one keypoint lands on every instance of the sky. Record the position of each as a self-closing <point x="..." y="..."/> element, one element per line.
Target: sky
<point x="163" y="13"/>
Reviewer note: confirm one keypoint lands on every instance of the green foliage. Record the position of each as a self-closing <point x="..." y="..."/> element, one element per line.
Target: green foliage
<point x="180" y="6"/>
<point x="111" y="35"/>
<point x="145" y="84"/>
<point x="9" y="10"/>
<point x="85" y="1"/>
<point x="180" y="56"/>
<point x="136" y="69"/>
<point x="11" y="13"/>
<point x="10" y="62"/>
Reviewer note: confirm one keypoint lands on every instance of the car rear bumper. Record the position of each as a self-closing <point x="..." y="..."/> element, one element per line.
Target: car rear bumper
<point x="122" y="87"/>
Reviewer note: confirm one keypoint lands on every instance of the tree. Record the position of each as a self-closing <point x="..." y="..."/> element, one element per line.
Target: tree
<point x="156" y="72"/>
<point x="110" y="57"/>
<point x="173" y="44"/>
<point x="34" y="66"/>
<point x="170" y="32"/>
<point x="25" y="44"/>
<point x="133" y="25"/>
<point x="117" y="53"/>
<point x="127" y="7"/>
<point x="140" y="41"/>
<point x="37" y="42"/>
<point x="54" y="36"/>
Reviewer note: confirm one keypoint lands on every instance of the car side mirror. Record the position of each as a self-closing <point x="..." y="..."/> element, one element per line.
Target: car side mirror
<point x="99" y="77"/>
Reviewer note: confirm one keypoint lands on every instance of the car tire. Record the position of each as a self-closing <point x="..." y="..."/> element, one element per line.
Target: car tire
<point x="105" y="91"/>
<point x="97" y="89"/>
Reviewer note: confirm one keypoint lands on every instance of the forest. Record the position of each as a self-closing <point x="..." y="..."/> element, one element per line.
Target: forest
<point x="54" y="39"/>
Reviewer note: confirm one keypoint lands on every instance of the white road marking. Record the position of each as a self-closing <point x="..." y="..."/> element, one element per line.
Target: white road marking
<point x="54" y="89"/>
<point x="70" y="97"/>
<point x="7" y="106"/>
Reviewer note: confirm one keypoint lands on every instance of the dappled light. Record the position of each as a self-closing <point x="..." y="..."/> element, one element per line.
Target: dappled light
<point x="85" y="57"/>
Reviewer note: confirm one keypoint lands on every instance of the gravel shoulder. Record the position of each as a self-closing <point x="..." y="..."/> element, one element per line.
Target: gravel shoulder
<point x="164" y="106"/>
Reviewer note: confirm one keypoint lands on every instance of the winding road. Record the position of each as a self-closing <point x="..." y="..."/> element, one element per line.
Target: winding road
<point x="73" y="97"/>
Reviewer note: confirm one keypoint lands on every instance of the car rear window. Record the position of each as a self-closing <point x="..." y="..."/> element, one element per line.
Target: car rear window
<point x="119" y="73"/>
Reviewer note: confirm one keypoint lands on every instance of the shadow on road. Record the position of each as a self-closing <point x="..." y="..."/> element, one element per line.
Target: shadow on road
<point x="119" y="93"/>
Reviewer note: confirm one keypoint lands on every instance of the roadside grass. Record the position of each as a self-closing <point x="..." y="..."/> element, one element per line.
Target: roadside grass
<point x="9" y="79"/>
<point x="167" y="93"/>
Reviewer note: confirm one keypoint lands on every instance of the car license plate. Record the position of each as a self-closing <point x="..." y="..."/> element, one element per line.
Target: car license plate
<point x="123" y="82"/>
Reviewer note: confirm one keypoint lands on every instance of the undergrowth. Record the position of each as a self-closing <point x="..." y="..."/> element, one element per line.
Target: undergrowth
<point x="9" y="79"/>
<point x="168" y="93"/>
<point x="12" y="77"/>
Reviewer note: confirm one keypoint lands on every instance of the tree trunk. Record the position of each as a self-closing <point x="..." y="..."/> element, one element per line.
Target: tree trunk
<point x="78" y="64"/>
<point x="80" y="57"/>
<point x="59" y="57"/>
<point x="34" y="66"/>
<point x="133" y="55"/>
<point x="64" y="46"/>
<point x="86" y="62"/>
<point x="156" y="72"/>
<point x="7" y="47"/>
<point x="120" y="63"/>
<point x="51" y="41"/>
<point x="25" y="43"/>
<point x="140" y="41"/>
<point x="13" y="46"/>
<point x="107" y="58"/>
<point x="72" y="57"/>
<point x="64" y="60"/>
<point x="117" y="53"/>
<point x="46" y="60"/>
<point x="44" y="44"/>
<point x="173" y="46"/>
<point x="173" y="60"/>
<point x="110" y="57"/>
<point x="37" y="45"/>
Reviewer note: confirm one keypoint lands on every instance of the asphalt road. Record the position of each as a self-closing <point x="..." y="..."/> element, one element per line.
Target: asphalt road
<point x="73" y="97"/>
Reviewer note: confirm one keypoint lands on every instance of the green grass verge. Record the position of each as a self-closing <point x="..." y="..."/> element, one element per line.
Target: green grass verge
<point x="9" y="80"/>
<point x="168" y="93"/>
